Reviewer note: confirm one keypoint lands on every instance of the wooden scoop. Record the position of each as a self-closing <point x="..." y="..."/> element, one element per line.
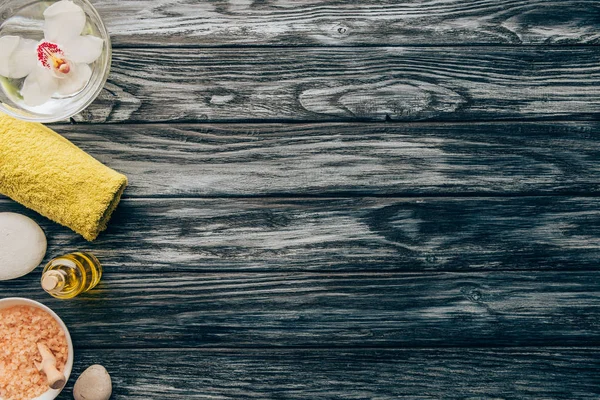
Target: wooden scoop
<point x="56" y="379"/>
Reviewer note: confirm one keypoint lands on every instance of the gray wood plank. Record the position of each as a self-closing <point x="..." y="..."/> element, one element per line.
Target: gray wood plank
<point x="548" y="373"/>
<point x="342" y="159"/>
<point x="235" y="310"/>
<point x="349" y="84"/>
<point x="354" y="22"/>
<point x="347" y="234"/>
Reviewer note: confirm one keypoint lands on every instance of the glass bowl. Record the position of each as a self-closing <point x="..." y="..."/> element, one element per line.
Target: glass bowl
<point x="25" y="18"/>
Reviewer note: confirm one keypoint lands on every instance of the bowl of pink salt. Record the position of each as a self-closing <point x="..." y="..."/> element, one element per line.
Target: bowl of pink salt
<point x="25" y="325"/>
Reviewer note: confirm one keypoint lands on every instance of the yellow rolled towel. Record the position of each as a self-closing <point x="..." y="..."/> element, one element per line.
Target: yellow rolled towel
<point x="45" y="172"/>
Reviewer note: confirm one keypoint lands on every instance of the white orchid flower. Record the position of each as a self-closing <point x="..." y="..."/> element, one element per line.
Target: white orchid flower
<point x="57" y="65"/>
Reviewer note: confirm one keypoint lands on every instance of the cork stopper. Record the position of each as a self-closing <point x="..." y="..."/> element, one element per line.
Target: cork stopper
<point x="53" y="281"/>
<point x="49" y="282"/>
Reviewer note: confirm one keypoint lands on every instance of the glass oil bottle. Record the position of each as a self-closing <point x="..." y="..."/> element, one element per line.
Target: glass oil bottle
<point x="70" y="275"/>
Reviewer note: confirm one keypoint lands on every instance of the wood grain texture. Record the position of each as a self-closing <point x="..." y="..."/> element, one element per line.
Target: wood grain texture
<point x="360" y="234"/>
<point x="234" y="310"/>
<point x="349" y="84"/>
<point x="550" y="373"/>
<point x="342" y="159"/>
<point x="415" y="295"/>
<point x="355" y="22"/>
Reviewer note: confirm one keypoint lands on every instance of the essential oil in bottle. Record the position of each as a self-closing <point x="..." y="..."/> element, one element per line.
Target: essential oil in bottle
<point x="70" y="275"/>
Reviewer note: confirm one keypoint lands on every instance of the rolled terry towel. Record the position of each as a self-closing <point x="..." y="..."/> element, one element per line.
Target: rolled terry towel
<point x="45" y="172"/>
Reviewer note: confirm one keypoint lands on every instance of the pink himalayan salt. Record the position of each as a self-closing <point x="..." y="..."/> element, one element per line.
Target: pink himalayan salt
<point x="21" y="328"/>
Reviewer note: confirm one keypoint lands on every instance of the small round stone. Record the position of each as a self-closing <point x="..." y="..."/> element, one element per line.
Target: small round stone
<point x="93" y="384"/>
<point x="22" y="245"/>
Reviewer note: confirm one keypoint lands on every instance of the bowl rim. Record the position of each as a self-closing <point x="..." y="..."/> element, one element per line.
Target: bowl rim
<point x="15" y="301"/>
<point x="17" y="113"/>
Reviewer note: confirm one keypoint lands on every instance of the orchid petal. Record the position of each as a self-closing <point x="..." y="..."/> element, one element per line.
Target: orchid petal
<point x="83" y="49"/>
<point x="39" y="87"/>
<point x="19" y="57"/>
<point x="64" y="21"/>
<point x="75" y="80"/>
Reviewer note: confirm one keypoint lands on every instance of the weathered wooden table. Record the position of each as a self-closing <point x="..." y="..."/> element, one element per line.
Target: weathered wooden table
<point x="344" y="199"/>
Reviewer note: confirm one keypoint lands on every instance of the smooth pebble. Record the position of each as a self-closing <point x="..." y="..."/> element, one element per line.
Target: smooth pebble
<point x="93" y="384"/>
<point x="22" y="245"/>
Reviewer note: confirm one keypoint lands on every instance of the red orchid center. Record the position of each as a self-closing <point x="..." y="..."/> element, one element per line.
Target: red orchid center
<point x="53" y="57"/>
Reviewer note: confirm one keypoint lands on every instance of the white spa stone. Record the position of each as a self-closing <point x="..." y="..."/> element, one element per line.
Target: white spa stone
<point x="93" y="384"/>
<point x="22" y="245"/>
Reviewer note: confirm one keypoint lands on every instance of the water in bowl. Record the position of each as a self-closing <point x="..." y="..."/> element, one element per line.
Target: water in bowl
<point x="28" y="22"/>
